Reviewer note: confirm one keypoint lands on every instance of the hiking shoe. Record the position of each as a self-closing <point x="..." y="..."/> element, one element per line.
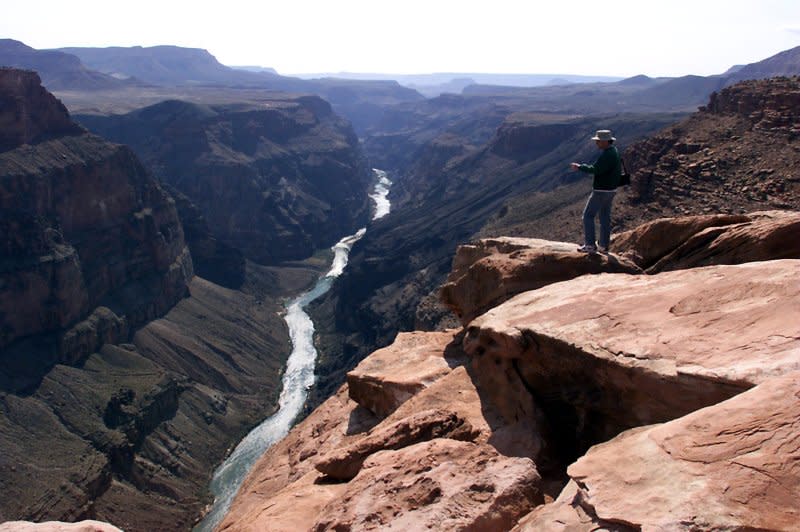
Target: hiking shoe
<point x="603" y="249"/>
<point x="587" y="249"/>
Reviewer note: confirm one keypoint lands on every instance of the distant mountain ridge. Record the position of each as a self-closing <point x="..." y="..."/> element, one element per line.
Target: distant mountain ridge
<point x="58" y="70"/>
<point x="176" y="65"/>
<point x="786" y="63"/>
<point x="170" y="65"/>
<point x="683" y="93"/>
<point x="432" y="85"/>
<point x="519" y="80"/>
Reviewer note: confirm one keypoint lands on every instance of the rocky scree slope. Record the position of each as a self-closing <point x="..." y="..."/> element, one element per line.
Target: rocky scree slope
<point x="517" y="419"/>
<point x="277" y="180"/>
<point x="123" y="379"/>
<point x="739" y="150"/>
<point x="738" y="154"/>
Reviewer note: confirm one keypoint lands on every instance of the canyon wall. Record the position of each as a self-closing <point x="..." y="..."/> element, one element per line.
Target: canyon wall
<point x="276" y="180"/>
<point x="93" y="246"/>
<point x="124" y="380"/>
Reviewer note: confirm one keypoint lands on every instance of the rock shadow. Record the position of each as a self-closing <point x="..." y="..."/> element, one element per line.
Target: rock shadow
<point x="361" y="420"/>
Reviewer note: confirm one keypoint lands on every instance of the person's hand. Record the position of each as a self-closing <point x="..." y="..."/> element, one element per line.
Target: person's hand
<point x="574" y="166"/>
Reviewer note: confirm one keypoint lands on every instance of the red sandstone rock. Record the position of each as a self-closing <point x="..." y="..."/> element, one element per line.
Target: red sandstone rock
<point x="731" y="466"/>
<point x="340" y="436"/>
<point x="442" y="484"/>
<point x="625" y="351"/>
<point x="460" y="392"/>
<point x="492" y="270"/>
<point x="295" y="508"/>
<point x="390" y="376"/>
<point x="345" y="463"/>
<point x="596" y="354"/>
<point x="692" y="241"/>
<point x="56" y="526"/>
<point x="651" y="241"/>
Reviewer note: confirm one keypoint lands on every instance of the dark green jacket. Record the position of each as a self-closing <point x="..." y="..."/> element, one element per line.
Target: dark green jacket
<point x="606" y="170"/>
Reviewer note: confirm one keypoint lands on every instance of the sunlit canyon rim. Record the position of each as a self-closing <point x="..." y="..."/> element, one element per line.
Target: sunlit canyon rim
<point x="297" y="379"/>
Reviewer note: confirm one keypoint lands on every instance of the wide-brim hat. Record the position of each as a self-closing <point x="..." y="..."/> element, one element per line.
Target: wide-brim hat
<point x="603" y="134"/>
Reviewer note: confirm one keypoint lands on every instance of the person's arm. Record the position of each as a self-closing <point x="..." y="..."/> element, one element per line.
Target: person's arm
<point x="604" y="164"/>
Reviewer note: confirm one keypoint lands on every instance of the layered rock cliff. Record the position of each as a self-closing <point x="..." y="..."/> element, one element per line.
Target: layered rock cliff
<point x="92" y="246"/>
<point x="519" y="419"/>
<point x="277" y="180"/>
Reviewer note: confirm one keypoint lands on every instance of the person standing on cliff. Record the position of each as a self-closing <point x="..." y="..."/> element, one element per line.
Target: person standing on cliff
<point x="606" y="171"/>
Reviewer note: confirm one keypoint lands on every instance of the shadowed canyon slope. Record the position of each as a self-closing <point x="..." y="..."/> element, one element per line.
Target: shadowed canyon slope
<point x="480" y="428"/>
<point x="277" y="180"/>
<point x="123" y="379"/>
<point x="93" y="246"/>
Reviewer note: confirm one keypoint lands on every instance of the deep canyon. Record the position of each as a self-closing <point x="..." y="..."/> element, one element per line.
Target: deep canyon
<point x="154" y="230"/>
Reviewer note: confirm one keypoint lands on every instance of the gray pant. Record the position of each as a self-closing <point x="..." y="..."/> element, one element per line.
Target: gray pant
<point x="599" y="203"/>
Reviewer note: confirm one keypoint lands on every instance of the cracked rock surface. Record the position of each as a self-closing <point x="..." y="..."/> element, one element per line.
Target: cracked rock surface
<point x="731" y="466"/>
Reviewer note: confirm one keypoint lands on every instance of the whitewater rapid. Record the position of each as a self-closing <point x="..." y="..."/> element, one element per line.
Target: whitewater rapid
<point x="297" y="379"/>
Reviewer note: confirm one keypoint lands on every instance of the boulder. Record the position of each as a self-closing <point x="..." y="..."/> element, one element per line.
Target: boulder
<point x="493" y="270"/>
<point x="441" y="484"/>
<point x="390" y="376"/>
<point x="651" y="241"/>
<point x="610" y="352"/>
<point x="731" y="466"/>
<point x="294" y="508"/>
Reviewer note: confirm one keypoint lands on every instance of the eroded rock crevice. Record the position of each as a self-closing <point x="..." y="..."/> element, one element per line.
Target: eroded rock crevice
<point x="588" y="399"/>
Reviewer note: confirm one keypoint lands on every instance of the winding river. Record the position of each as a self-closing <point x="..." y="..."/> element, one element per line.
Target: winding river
<point x="297" y="379"/>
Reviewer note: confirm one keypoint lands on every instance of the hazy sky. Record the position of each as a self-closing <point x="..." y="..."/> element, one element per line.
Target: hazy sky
<point x="622" y="37"/>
